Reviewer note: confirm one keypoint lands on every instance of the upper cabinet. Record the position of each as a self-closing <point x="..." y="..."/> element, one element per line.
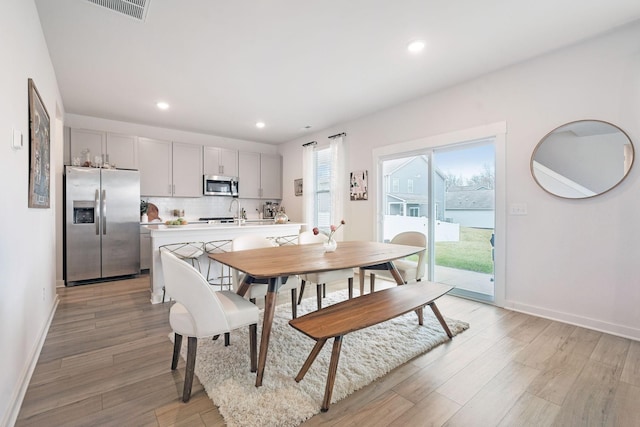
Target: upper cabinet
<point x="169" y="169"/>
<point x="187" y="170"/>
<point x="220" y="161"/>
<point x="259" y="176"/>
<point x="155" y="167"/>
<point x="119" y="150"/>
<point x="271" y="176"/>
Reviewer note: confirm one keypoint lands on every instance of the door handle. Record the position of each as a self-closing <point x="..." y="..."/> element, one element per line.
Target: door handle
<point x="96" y="210"/>
<point x="104" y="211"/>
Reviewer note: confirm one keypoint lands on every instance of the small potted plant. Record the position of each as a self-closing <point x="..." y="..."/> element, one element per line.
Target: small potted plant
<point x="143" y="211"/>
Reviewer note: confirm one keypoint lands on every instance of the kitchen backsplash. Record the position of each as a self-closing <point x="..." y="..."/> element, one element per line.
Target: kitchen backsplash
<point x="204" y="207"/>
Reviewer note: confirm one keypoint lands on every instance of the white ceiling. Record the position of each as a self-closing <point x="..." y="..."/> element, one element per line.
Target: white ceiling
<point x="224" y="65"/>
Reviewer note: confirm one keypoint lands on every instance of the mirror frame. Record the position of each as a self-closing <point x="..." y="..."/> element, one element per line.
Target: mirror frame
<point x="626" y="174"/>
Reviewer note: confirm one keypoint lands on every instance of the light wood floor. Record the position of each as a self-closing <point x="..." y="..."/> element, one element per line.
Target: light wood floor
<point x="106" y="361"/>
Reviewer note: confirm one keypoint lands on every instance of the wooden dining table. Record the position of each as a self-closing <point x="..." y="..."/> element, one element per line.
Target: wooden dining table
<point x="274" y="265"/>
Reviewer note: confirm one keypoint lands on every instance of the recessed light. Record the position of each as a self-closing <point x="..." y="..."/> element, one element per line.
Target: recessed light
<point x="162" y="105"/>
<point x="416" y="46"/>
<point x="260" y="125"/>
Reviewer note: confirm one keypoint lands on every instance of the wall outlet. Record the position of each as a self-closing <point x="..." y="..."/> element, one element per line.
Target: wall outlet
<point x="518" y="209"/>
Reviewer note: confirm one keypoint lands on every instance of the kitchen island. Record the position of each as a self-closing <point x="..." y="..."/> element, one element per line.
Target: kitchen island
<point x="164" y="235"/>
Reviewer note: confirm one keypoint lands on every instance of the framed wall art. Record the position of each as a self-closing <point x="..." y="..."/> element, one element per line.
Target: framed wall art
<point x="297" y="186"/>
<point x="358" y="185"/>
<point x="39" y="151"/>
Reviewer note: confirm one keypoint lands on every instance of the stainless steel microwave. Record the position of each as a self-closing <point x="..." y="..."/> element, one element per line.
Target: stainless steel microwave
<point x="215" y="185"/>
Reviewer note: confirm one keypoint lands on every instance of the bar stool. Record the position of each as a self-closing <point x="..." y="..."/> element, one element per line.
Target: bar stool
<point x="224" y="278"/>
<point x="187" y="251"/>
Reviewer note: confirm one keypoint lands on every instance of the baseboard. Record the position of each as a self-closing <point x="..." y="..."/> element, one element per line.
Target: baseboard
<point x="18" y="396"/>
<point x="572" y="319"/>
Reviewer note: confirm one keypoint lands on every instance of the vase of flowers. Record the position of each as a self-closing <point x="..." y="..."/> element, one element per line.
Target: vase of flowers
<point x="330" y="245"/>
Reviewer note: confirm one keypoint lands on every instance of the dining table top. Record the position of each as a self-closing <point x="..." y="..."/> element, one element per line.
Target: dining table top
<point x="289" y="260"/>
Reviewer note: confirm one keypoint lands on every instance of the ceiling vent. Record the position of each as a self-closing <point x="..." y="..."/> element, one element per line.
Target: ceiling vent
<point x="136" y="9"/>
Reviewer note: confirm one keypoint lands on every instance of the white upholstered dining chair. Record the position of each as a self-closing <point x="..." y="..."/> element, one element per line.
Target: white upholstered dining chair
<point x="258" y="289"/>
<point x="322" y="278"/>
<point x="201" y="312"/>
<point x="408" y="269"/>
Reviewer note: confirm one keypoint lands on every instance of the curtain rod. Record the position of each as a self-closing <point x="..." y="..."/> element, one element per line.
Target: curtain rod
<point x="337" y="135"/>
<point x="310" y="143"/>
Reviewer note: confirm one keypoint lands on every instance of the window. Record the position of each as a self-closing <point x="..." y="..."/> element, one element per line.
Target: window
<point x="322" y="202"/>
<point x="396" y="185"/>
<point x="414" y="211"/>
<point x="409" y="186"/>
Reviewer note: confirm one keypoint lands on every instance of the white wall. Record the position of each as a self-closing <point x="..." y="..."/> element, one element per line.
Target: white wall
<point x="572" y="260"/>
<point x="28" y="236"/>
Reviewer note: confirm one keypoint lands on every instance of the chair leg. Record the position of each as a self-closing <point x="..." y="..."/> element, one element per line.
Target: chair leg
<point x="324" y="290"/>
<point x="177" y="344"/>
<point x="350" y="286"/>
<point x="302" y="283"/>
<point x="192" y="347"/>
<point x="227" y="339"/>
<point x="372" y="282"/>
<point x="294" y="306"/>
<point x="253" y="346"/>
<point x="319" y="295"/>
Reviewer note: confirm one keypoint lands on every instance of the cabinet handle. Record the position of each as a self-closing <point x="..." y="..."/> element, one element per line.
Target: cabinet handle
<point x="174" y="189"/>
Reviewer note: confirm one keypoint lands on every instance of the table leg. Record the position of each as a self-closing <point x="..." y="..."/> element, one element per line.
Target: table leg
<point x="244" y="286"/>
<point x="396" y="274"/>
<point x="441" y="319"/>
<point x="361" y="278"/>
<point x="310" y="359"/>
<point x="269" y="311"/>
<point x="331" y="377"/>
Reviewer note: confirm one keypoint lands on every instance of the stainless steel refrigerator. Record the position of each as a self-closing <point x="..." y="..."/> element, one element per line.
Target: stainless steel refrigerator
<point x="102" y="223"/>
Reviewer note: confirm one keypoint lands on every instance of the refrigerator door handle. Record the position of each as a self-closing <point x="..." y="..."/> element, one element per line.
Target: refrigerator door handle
<point x="97" y="212"/>
<point x="104" y="211"/>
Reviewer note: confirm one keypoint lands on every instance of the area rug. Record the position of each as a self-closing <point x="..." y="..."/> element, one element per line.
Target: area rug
<point x="366" y="355"/>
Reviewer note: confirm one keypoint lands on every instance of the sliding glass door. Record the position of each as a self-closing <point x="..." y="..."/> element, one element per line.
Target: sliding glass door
<point x="447" y="193"/>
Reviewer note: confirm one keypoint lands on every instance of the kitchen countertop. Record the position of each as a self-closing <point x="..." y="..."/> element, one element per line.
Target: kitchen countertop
<point x="203" y="232"/>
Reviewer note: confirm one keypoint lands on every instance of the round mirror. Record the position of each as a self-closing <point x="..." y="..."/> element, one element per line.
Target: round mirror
<point x="582" y="159"/>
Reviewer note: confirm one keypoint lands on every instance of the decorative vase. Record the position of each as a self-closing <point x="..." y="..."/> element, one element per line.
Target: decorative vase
<point x="330" y="245"/>
<point x="281" y="218"/>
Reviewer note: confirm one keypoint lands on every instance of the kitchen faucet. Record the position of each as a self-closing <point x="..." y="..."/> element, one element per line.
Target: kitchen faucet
<point x="237" y="207"/>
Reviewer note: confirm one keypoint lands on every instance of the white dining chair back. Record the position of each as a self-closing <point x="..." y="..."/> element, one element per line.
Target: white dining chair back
<point x="322" y="278"/>
<point x="259" y="289"/>
<point x="200" y="312"/>
<point x="409" y="270"/>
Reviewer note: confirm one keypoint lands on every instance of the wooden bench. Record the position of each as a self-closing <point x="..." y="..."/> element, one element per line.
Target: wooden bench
<point x="339" y="319"/>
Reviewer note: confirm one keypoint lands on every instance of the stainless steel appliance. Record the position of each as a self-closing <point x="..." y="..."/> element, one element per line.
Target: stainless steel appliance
<point x="270" y="209"/>
<point x="216" y="185"/>
<point x="102" y="223"/>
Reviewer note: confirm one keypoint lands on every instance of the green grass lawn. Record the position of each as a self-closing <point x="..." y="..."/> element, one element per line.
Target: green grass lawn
<point x="472" y="252"/>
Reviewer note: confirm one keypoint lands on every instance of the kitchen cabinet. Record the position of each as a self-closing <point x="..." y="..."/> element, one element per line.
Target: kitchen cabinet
<point x="154" y="163"/>
<point x="271" y="176"/>
<point x="169" y="169"/>
<point x="122" y="150"/>
<point x="187" y="170"/>
<point x="259" y="175"/>
<point x="220" y="161"/>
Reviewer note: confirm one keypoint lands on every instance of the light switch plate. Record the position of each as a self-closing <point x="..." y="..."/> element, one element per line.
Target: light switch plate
<point x="518" y="209"/>
<point x="16" y="140"/>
